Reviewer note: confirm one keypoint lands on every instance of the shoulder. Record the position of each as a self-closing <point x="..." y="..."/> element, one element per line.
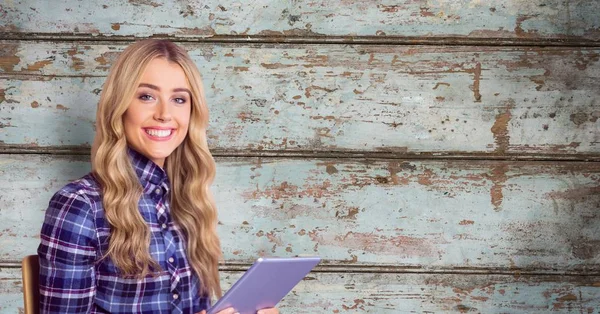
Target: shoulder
<point x="77" y="200"/>
<point x="85" y="187"/>
<point x="69" y="227"/>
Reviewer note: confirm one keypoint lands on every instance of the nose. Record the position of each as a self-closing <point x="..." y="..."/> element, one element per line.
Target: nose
<point x="162" y="112"/>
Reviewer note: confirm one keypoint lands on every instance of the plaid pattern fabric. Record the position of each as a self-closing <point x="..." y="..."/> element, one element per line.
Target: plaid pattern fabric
<point x="74" y="237"/>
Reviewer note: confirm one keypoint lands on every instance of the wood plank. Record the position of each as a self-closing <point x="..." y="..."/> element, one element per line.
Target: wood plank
<point x="425" y="99"/>
<point x="407" y="293"/>
<point x="201" y="19"/>
<point x="481" y="215"/>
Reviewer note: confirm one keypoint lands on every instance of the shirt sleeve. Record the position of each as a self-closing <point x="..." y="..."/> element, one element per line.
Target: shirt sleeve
<point x="201" y="302"/>
<point x="67" y="253"/>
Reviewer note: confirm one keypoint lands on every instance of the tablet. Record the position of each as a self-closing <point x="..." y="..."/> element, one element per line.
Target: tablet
<point x="265" y="284"/>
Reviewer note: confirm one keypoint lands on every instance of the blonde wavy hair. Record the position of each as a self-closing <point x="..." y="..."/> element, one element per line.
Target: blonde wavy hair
<point x="190" y="168"/>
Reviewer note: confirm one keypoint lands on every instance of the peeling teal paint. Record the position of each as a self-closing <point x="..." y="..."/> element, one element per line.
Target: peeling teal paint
<point x="432" y="214"/>
<point x="450" y="235"/>
<point x="323" y="98"/>
<point x="465" y="18"/>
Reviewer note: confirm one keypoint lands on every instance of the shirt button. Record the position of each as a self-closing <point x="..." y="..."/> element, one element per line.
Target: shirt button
<point x="164" y="226"/>
<point x="171" y="260"/>
<point x="157" y="191"/>
<point x="175" y="296"/>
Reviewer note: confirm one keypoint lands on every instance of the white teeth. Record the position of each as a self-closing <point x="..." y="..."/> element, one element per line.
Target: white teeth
<point x="158" y="133"/>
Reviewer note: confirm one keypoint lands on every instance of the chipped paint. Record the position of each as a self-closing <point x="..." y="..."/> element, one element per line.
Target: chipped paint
<point x="404" y="293"/>
<point x="500" y="128"/>
<point x="476" y="81"/>
<point x="273" y="205"/>
<point x="427" y="102"/>
<point x="145" y="2"/>
<point x="498" y="177"/>
<point x="579" y="118"/>
<point x="38" y="65"/>
<point x="395" y="235"/>
<point x="475" y="19"/>
<point x="8" y="58"/>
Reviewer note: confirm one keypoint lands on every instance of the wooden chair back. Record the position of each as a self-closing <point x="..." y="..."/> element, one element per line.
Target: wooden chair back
<point x="31" y="292"/>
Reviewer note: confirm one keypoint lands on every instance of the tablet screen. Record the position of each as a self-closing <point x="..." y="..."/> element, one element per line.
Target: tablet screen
<point x="265" y="284"/>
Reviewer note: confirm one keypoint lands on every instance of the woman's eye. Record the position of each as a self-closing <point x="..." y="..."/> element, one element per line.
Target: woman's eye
<point x="180" y="100"/>
<point x="146" y="97"/>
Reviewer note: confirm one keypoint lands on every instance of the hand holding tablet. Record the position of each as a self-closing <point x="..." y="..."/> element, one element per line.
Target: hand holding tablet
<point x="265" y="284"/>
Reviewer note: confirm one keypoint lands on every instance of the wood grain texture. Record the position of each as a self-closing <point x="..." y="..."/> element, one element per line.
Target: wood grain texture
<point x="201" y="19"/>
<point x="405" y="293"/>
<point x="418" y="99"/>
<point x="426" y="214"/>
<point x="397" y="235"/>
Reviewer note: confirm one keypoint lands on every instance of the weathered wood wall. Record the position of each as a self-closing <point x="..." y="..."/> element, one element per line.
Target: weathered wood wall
<point x="441" y="156"/>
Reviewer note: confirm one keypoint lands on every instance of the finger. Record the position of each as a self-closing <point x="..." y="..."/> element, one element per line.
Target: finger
<point x="229" y="310"/>
<point x="268" y="311"/>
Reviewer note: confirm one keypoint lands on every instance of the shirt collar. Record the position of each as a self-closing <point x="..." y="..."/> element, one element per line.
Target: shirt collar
<point x="146" y="170"/>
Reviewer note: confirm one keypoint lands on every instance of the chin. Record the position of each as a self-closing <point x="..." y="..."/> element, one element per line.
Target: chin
<point x="162" y="154"/>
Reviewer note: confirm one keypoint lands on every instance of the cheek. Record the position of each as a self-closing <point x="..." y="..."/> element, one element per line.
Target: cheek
<point x="132" y="122"/>
<point x="129" y="122"/>
<point x="129" y="128"/>
<point x="184" y="119"/>
<point x="134" y="116"/>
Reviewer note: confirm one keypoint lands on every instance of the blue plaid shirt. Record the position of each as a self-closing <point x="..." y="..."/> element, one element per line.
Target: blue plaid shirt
<point x="73" y="278"/>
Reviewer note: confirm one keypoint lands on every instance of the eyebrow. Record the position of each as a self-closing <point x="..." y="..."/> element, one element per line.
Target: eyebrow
<point x="154" y="87"/>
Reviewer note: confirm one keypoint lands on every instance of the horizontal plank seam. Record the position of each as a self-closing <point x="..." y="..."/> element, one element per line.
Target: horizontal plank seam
<point x="343" y="268"/>
<point x="19" y="150"/>
<point x="8" y="75"/>
<point x="324" y="39"/>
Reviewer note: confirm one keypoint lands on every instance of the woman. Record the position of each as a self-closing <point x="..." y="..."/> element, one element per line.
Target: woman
<point x="138" y="233"/>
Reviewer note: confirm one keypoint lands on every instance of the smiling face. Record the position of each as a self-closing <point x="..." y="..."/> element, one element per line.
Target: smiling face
<point x="157" y="119"/>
